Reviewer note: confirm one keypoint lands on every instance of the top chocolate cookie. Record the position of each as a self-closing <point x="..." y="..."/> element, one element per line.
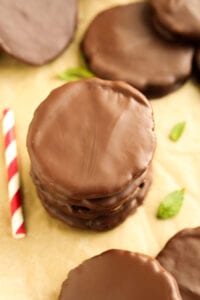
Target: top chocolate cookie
<point x="180" y="18"/>
<point x="91" y="138"/>
<point x="36" y="31"/>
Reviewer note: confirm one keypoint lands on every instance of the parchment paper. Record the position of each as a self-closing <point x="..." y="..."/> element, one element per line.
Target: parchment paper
<point x="34" y="268"/>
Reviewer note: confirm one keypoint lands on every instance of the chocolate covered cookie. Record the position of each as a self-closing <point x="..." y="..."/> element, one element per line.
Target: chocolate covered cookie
<point x="121" y="43"/>
<point x="178" y="19"/>
<point x="117" y="275"/>
<point x="91" y="145"/>
<point x="181" y="257"/>
<point x="36" y="31"/>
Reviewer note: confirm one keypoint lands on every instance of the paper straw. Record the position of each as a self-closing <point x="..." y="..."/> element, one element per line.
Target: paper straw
<point x="17" y="220"/>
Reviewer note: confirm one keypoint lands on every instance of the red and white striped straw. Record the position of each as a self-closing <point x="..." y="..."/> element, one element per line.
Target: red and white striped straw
<point x="17" y="220"/>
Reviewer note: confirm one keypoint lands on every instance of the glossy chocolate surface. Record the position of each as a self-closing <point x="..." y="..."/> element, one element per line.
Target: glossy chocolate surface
<point x="36" y="31"/>
<point x="179" y="18"/>
<point x="91" y="139"/>
<point x="181" y="257"/>
<point x="132" y="50"/>
<point x="117" y="275"/>
<point x="81" y="216"/>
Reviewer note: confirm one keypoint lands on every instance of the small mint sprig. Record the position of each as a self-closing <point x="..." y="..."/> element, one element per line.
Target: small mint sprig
<point x="177" y="131"/>
<point x="77" y="73"/>
<point x="171" y="205"/>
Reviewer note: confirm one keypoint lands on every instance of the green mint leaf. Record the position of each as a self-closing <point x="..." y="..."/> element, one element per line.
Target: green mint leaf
<point x="73" y="74"/>
<point x="66" y="77"/>
<point x="171" y="205"/>
<point x="177" y="131"/>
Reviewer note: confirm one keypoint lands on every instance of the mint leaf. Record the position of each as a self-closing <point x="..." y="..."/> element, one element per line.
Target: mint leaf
<point x="73" y="74"/>
<point x="177" y="131"/>
<point x="171" y="205"/>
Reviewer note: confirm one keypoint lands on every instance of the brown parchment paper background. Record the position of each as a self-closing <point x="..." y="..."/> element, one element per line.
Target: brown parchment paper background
<point x="34" y="268"/>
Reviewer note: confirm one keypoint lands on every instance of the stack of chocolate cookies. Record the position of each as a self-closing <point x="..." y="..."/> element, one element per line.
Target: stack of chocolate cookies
<point x="91" y="144"/>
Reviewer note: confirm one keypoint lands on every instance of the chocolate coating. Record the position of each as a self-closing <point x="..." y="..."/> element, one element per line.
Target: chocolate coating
<point x="131" y="50"/>
<point x="102" y="204"/>
<point x="36" y="31"/>
<point x="91" y="219"/>
<point x="181" y="257"/>
<point x="181" y="18"/>
<point x="91" y="138"/>
<point x="117" y="275"/>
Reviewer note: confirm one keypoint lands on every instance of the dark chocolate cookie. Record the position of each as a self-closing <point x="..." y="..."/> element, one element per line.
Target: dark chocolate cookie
<point x="36" y="31"/>
<point x="117" y="275"/>
<point x="121" y="43"/>
<point x="178" y="19"/>
<point x="91" y="138"/>
<point x="181" y="257"/>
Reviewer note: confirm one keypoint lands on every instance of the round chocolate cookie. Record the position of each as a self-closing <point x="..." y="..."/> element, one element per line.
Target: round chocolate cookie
<point x="177" y="19"/>
<point x="131" y="50"/>
<point x="181" y="257"/>
<point x="36" y="31"/>
<point x="91" y="138"/>
<point x="117" y="275"/>
<point x="91" y="144"/>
